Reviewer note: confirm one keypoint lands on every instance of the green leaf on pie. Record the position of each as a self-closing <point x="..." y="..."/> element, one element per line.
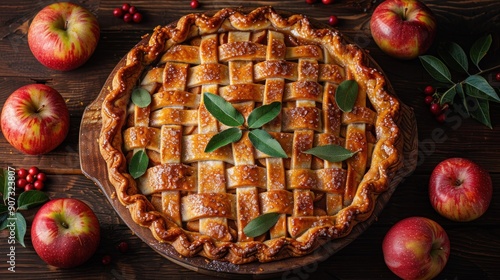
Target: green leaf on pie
<point x="482" y="88"/>
<point x="261" y="224"/>
<point x="263" y="114"/>
<point x="436" y="68"/>
<point x="138" y="164"/>
<point x="454" y="56"/>
<point x="223" y="138"/>
<point x="141" y="97"/>
<point x="331" y="153"/>
<point x="265" y="143"/>
<point x="30" y="199"/>
<point x="479" y="49"/>
<point x="481" y="111"/>
<point x="449" y="95"/>
<point x="346" y="95"/>
<point x="222" y="110"/>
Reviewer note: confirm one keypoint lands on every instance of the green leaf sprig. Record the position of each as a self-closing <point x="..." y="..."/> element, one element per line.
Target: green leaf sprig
<point x="346" y="95"/>
<point x="10" y="216"/>
<point x="141" y="97"/>
<point x="224" y="112"/>
<point x="474" y="91"/>
<point x="331" y="153"/>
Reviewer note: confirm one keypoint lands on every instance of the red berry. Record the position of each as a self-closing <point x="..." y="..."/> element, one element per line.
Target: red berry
<point x="125" y="7"/>
<point x="441" y="118"/>
<point x="428" y="90"/>
<point x="30" y="178"/>
<point x="106" y="259"/>
<point x="436" y="109"/>
<point x="310" y="1"/>
<point x="41" y="177"/>
<point x="428" y="99"/>
<point x="34" y="170"/>
<point x="21" y="173"/>
<point x="21" y="183"/>
<point x="122" y="247"/>
<point x="29" y="187"/>
<point x="137" y="17"/>
<point x="132" y="10"/>
<point x="327" y="2"/>
<point x="195" y="4"/>
<point x="38" y="185"/>
<point x="127" y="17"/>
<point x="497" y="77"/>
<point x="333" y="20"/>
<point x="118" y="12"/>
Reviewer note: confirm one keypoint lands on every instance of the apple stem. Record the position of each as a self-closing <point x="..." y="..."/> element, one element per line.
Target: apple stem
<point x="405" y="13"/>
<point x="65" y="25"/>
<point x="64" y="225"/>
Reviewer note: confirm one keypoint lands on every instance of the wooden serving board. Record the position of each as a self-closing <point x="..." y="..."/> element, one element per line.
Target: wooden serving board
<point x="94" y="167"/>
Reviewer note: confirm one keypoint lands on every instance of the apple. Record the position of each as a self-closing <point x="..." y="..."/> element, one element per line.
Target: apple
<point x="403" y="29"/>
<point x="416" y="248"/>
<point x="460" y="189"/>
<point x="65" y="232"/>
<point x="63" y="36"/>
<point x="35" y="119"/>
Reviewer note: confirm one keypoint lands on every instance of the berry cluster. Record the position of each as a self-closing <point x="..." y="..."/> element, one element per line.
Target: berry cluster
<point x="128" y="13"/>
<point x="31" y="179"/>
<point x="432" y="99"/>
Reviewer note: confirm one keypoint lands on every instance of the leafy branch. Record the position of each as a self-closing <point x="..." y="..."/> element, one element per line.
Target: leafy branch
<point x="474" y="91"/>
<point x="10" y="217"/>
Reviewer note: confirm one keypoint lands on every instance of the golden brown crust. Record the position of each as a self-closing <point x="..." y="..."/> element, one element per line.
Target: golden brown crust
<point x="361" y="191"/>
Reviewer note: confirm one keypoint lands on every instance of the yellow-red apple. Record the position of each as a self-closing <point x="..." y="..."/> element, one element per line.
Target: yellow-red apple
<point x="65" y="232"/>
<point x="35" y="119"/>
<point x="63" y="36"/>
<point x="460" y="189"/>
<point x="403" y="29"/>
<point x="416" y="248"/>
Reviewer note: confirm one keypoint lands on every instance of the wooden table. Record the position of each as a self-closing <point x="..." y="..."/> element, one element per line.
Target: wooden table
<point x="475" y="246"/>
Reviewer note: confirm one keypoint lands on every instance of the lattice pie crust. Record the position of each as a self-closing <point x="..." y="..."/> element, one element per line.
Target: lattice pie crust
<point x="200" y="202"/>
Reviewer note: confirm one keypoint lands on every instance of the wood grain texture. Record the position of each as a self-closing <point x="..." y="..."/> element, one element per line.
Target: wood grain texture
<point x="475" y="252"/>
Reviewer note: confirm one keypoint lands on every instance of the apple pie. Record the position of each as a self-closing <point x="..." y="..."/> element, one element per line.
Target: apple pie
<point x="167" y="105"/>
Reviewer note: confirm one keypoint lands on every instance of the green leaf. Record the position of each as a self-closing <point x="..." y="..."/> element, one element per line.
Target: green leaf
<point x="461" y="93"/>
<point x="261" y="224"/>
<point x="454" y="56"/>
<point x="482" y="86"/>
<point x="481" y="112"/>
<point x="138" y="164"/>
<point x="30" y="199"/>
<point x="346" y="95"/>
<point x="479" y="49"/>
<point x="222" y="110"/>
<point x="436" y="68"/>
<point x="448" y="96"/>
<point x="263" y="114"/>
<point x="141" y="97"/>
<point x="3" y="220"/>
<point x="265" y="143"/>
<point x="331" y="153"/>
<point x="223" y="138"/>
<point x="20" y="228"/>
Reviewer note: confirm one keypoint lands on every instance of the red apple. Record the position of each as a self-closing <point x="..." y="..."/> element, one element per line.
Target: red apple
<point x="35" y="119"/>
<point x="460" y="190"/>
<point x="63" y="36"/>
<point x="65" y="232"/>
<point x="403" y="29"/>
<point x="416" y="248"/>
